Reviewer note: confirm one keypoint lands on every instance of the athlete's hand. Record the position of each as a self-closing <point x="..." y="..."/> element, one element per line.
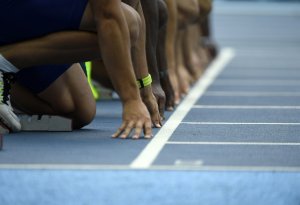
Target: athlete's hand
<point x="151" y="104"/>
<point x="160" y="97"/>
<point x="136" y="118"/>
<point x="167" y="87"/>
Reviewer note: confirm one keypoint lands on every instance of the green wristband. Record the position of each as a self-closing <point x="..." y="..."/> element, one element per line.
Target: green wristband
<point x="144" y="82"/>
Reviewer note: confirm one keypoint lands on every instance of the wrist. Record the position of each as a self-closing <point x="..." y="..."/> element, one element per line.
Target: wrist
<point x="144" y="82"/>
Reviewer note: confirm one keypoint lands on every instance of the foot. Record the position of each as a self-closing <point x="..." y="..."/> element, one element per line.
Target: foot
<point x="7" y="116"/>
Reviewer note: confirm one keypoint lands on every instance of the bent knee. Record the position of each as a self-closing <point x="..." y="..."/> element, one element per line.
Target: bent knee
<point x="81" y="113"/>
<point x="83" y="116"/>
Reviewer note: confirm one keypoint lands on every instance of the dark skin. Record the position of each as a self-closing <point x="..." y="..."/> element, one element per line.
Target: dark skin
<point x="141" y="70"/>
<point x="109" y="17"/>
<point x="153" y="28"/>
<point x="106" y="20"/>
<point x="162" y="57"/>
<point x="143" y="58"/>
<point x="138" y="53"/>
<point x="208" y="43"/>
<point x="151" y="18"/>
<point x="156" y="31"/>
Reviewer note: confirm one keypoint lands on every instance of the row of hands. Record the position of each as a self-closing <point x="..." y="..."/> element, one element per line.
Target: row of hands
<point x="140" y="116"/>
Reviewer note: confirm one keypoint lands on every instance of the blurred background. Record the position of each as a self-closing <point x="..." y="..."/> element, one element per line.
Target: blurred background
<point x="260" y="26"/>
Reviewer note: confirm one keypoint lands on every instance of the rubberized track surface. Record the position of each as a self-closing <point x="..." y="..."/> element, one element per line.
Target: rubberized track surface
<point x="233" y="140"/>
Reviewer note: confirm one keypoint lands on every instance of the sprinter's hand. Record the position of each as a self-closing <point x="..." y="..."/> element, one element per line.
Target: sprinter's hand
<point x="136" y="119"/>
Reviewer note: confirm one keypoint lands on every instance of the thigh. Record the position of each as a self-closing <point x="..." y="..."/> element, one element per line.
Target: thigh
<point x="69" y="95"/>
<point x="70" y="92"/>
<point x="62" y="87"/>
<point x="23" y="20"/>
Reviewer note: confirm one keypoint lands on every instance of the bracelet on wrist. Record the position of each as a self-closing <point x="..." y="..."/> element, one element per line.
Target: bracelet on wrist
<point x="146" y="81"/>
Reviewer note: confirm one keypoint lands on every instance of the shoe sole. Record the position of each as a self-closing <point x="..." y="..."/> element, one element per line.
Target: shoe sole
<point x="45" y="123"/>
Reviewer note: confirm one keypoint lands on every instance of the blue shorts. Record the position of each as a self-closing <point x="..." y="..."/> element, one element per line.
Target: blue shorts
<point x="22" y="20"/>
<point x="25" y="19"/>
<point x="37" y="79"/>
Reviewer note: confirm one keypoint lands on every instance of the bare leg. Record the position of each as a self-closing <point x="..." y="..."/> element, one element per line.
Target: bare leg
<point x="115" y="38"/>
<point x="57" y="48"/>
<point x="62" y="47"/>
<point x="68" y="96"/>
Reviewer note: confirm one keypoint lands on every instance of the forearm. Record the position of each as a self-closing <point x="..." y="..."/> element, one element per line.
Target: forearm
<point x="114" y="41"/>
<point x="121" y="73"/>
<point x="139" y="47"/>
<point x="150" y="9"/>
<point x="171" y="33"/>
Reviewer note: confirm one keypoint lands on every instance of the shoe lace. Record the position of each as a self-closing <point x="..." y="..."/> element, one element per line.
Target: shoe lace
<point x="5" y="87"/>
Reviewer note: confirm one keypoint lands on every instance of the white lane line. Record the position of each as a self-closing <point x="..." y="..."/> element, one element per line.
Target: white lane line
<point x="237" y="143"/>
<point x="257" y="9"/>
<point x="245" y="82"/>
<point x="151" y="151"/>
<point x="240" y="123"/>
<point x="245" y="107"/>
<point x="228" y="168"/>
<point x="252" y="94"/>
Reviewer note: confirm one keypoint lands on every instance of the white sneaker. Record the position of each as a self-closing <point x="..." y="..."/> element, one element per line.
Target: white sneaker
<point x="7" y="116"/>
<point x="45" y="123"/>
